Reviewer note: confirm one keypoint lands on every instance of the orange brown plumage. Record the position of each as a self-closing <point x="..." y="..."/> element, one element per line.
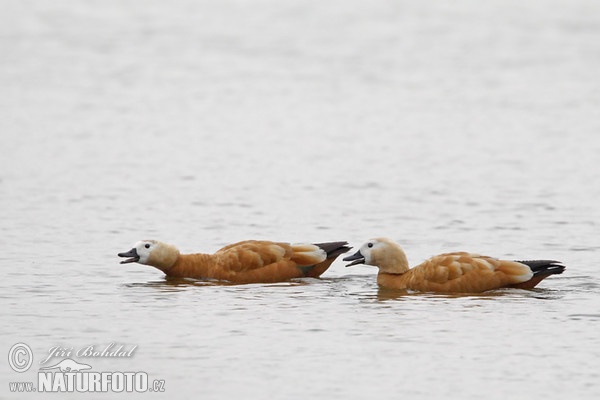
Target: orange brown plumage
<point x="458" y="272"/>
<point x="249" y="261"/>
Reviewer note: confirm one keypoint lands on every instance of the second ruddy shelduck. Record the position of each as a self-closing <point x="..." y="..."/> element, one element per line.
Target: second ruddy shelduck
<point x="458" y="272"/>
<point x="251" y="261"/>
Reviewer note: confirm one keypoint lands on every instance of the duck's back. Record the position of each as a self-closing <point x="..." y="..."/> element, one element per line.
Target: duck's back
<point x="255" y="261"/>
<point x="459" y="272"/>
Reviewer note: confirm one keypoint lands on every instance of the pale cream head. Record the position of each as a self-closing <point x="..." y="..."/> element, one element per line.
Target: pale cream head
<point x="152" y="252"/>
<point x="383" y="253"/>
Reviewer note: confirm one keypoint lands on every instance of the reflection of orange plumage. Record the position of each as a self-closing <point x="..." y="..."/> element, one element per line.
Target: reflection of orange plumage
<point x="244" y="262"/>
<point x="450" y="272"/>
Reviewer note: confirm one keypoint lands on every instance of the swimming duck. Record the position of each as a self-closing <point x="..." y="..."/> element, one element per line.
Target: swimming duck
<point x="250" y="261"/>
<point x="458" y="272"/>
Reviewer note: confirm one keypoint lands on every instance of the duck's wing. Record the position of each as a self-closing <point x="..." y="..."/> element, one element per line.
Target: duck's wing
<point x="255" y="254"/>
<point x="466" y="272"/>
<point x="252" y="254"/>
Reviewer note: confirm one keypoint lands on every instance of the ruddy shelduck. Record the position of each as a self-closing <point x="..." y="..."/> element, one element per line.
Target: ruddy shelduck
<point x="252" y="261"/>
<point x="458" y="272"/>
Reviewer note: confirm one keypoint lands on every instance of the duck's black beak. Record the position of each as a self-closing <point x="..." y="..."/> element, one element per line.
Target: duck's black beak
<point x="134" y="257"/>
<point x="356" y="258"/>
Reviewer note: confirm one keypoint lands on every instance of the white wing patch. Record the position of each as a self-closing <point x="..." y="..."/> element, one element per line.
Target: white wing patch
<point x="308" y="254"/>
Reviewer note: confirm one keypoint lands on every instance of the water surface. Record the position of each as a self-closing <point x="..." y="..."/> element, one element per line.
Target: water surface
<point x="465" y="126"/>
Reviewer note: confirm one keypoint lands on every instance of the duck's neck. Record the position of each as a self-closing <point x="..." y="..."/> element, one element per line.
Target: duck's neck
<point x="163" y="257"/>
<point x="391" y="281"/>
<point x="394" y="262"/>
<point x="191" y="266"/>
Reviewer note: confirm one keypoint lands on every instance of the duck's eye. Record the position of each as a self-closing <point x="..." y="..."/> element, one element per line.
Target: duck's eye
<point x="147" y="245"/>
<point x="369" y="245"/>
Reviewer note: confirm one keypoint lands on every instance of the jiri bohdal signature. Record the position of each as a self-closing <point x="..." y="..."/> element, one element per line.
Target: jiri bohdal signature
<point x="111" y="350"/>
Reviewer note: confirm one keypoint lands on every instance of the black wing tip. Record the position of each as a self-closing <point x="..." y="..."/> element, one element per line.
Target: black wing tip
<point x="334" y="249"/>
<point x="544" y="266"/>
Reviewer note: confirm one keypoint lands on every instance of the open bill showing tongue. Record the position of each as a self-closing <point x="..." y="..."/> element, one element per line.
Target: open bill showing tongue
<point x="132" y="254"/>
<point x="356" y="258"/>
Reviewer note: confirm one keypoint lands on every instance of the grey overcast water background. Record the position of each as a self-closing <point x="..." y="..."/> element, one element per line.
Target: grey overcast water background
<point x="463" y="125"/>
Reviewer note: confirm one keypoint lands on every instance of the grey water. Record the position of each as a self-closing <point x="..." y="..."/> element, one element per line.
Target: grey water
<point x="446" y="126"/>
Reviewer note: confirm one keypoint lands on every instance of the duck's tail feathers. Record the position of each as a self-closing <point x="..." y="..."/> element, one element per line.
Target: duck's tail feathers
<point x="541" y="269"/>
<point x="334" y="249"/>
<point x="544" y="267"/>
